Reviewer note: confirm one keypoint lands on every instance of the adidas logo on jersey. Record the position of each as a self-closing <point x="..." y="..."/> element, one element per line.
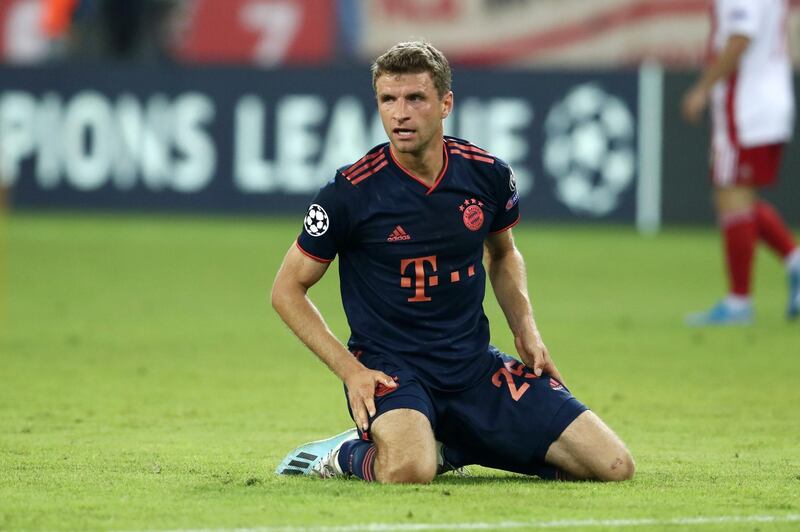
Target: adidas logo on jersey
<point x="398" y="234"/>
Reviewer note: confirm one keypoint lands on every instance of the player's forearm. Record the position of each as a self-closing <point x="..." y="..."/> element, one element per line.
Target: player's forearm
<point x="299" y="313"/>
<point x="510" y="285"/>
<point x="726" y="62"/>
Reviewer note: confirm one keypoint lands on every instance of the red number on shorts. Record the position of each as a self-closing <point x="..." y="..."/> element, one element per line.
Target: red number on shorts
<point x="516" y="393"/>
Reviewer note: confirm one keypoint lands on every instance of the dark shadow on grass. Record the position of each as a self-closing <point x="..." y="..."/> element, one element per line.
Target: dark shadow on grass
<point x="455" y="480"/>
<point x="452" y="480"/>
<point x="449" y="479"/>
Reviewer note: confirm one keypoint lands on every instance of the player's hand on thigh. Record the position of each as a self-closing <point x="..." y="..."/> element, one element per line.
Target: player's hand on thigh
<point x="361" y="386"/>
<point x="535" y="354"/>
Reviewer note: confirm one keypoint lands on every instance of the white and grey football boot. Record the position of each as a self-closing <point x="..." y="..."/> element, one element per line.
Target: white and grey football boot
<point x="317" y="458"/>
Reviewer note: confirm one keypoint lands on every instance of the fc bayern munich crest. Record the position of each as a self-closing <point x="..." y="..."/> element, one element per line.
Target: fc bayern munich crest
<point x="473" y="213"/>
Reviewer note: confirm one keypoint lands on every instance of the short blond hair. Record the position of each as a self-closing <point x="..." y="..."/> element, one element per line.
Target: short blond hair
<point x="414" y="57"/>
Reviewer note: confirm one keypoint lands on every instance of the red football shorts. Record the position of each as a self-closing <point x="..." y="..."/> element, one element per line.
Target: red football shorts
<point x="757" y="166"/>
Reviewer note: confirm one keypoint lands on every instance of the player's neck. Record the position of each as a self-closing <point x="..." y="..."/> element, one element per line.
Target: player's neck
<point x="425" y="165"/>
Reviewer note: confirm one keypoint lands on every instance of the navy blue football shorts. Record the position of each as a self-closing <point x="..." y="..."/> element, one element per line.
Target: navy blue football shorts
<point x="507" y="420"/>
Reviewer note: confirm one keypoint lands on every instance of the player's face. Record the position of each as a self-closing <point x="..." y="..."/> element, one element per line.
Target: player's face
<point x="411" y="110"/>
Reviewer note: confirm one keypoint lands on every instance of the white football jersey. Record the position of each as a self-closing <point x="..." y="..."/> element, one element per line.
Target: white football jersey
<point x="755" y="105"/>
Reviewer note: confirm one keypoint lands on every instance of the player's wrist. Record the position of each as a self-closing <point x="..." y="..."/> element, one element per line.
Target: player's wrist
<point x="349" y="368"/>
<point x="525" y="329"/>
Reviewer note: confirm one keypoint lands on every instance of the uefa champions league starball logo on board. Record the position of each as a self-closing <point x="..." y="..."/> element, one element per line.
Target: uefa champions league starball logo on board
<point x="589" y="150"/>
<point x="316" y="221"/>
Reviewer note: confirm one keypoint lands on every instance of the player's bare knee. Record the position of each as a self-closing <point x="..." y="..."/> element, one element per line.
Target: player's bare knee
<point x="410" y="472"/>
<point x="621" y="468"/>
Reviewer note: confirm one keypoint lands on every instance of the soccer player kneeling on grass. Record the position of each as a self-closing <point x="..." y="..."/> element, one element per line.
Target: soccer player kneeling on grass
<point x="410" y="221"/>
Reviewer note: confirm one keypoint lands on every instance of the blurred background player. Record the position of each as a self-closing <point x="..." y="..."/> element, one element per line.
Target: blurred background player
<point x="748" y="84"/>
<point x="95" y="30"/>
<point x="409" y="222"/>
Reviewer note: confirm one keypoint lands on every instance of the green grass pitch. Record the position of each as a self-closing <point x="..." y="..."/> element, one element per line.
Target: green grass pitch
<point x="146" y="384"/>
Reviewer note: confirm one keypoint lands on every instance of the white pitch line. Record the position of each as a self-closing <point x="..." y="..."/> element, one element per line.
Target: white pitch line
<point x="565" y="523"/>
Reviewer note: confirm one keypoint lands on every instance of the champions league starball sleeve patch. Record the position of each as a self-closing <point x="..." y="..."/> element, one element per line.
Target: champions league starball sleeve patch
<point x="316" y="222"/>
<point x="324" y="225"/>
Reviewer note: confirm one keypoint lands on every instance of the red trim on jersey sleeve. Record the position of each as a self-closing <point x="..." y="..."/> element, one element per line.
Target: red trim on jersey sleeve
<point x="311" y="256"/>
<point x="468" y="146"/>
<point x="361" y="163"/>
<point x="509" y="226"/>
<point x="367" y="168"/>
<point x="472" y="156"/>
<point x="469" y="151"/>
<point x="371" y="172"/>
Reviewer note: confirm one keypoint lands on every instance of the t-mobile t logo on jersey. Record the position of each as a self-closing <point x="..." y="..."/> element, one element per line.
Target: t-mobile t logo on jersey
<point x="418" y="281"/>
<point x="419" y="276"/>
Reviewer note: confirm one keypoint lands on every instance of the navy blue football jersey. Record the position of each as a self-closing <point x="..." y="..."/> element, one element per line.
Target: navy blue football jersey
<point x="410" y="257"/>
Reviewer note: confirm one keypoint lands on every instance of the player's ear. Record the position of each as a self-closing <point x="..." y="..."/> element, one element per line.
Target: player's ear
<point x="447" y="104"/>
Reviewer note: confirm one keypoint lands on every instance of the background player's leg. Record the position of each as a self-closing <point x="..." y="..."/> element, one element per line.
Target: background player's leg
<point x="770" y="226"/>
<point x="777" y="235"/>
<point x="406" y="448"/>
<point x="774" y="231"/>
<point x="589" y="450"/>
<point x="735" y="206"/>
<point x="736" y="213"/>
